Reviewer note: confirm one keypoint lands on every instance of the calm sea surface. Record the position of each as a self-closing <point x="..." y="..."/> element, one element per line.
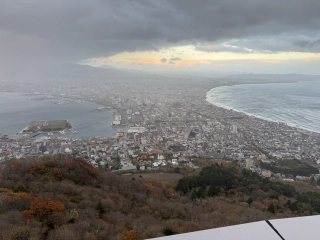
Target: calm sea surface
<point x="17" y="110"/>
<point x="297" y="104"/>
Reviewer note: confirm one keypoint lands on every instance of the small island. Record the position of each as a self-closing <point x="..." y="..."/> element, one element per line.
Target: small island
<point x="47" y="126"/>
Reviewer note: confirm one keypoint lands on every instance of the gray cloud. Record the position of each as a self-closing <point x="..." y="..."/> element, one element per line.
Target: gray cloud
<point x="222" y="48"/>
<point x="70" y="31"/>
<point x="174" y="59"/>
<point x="163" y="60"/>
<point x="312" y="45"/>
<point x="287" y="42"/>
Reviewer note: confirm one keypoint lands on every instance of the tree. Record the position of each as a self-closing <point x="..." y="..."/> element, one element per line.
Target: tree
<point x="213" y="191"/>
<point x="250" y="200"/>
<point x="130" y="235"/>
<point x="20" y="188"/>
<point x="271" y="208"/>
<point x="194" y="194"/>
<point x="43" y="207"/>
<point x="183" y="185"/>
<point x="101" y="209"/>
<point x="168" y="231"/>
<point x="202" y="192"/>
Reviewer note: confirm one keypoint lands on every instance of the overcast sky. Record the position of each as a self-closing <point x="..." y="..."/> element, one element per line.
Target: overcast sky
<point x="271" y="36"/>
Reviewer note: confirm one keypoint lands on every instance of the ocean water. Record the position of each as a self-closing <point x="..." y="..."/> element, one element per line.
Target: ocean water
<point x="17" y="110"/>
<point x="297" y="104"/>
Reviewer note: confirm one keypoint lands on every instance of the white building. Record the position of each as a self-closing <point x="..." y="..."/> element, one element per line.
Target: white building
<point x="234" y="129"/>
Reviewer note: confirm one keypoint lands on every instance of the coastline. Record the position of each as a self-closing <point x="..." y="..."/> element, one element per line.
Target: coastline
<point x="210" y="100"/>
<point x="235" y="134"/>
<point x="70" y="108"/>
<point x="205" y="88"/>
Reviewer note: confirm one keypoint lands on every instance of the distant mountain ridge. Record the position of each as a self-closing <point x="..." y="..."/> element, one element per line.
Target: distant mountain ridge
<point x="106" y="73"/>
<point x="65" y="70"/>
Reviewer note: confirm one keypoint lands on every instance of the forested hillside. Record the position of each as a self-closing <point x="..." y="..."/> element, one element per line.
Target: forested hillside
<point x="60" y="197"/>
<point x="243" y="183"/>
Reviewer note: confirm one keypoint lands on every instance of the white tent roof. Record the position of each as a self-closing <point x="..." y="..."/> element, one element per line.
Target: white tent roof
<point x="298" y="228"/>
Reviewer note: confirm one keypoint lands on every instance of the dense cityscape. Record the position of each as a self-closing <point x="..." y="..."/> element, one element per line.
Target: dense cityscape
<point x="161" y="127"/>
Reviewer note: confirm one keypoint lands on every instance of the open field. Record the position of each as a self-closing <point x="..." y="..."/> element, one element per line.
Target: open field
<point x="47" y="126"/>
<point x="291" y="167"/>
<point x="56" y="125"/>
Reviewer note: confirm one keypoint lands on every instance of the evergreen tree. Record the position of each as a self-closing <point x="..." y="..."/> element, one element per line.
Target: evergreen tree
<point x="101" y="209"/>
<point x="250" y="200"/>
<point x="194" y="194"/>
<point x="202" y="192"/>
<point x="271" y="209"/>
<point x="213" y="191"/>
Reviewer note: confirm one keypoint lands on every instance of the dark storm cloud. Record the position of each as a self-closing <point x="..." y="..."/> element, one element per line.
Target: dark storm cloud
<point x="73" y="30"/>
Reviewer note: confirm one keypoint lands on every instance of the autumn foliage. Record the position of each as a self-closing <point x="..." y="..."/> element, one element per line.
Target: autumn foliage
<point x="159" y="189"/>
<point x="59" y="173"/>
<point x="39" y="207"/>
<point x="20" y="196"/>
<point x="37" y="167"/>
<point x="130" y="235"/>
<point x="61" y="197"/>
<point x="43" y="207"/>
<point x="69" y="164"/>
<point x="115" y="198"/>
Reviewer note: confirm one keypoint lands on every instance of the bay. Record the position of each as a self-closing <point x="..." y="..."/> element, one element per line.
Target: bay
<point x="18" y="110"/>
<point x="297" y="104"/>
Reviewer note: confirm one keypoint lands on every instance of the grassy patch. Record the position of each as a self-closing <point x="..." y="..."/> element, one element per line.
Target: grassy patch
<point x="57" y="125"/>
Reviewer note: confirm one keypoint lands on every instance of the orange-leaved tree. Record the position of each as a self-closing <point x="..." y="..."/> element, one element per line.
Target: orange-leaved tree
<point x="43" y="207"/>
<point x="59" y="173"/>
<point x="130" y="235"/>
